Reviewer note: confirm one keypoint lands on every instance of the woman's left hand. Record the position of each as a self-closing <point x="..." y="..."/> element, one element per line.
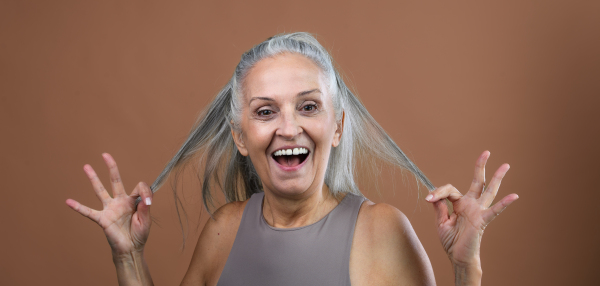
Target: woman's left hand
<point x="461" y="231"/>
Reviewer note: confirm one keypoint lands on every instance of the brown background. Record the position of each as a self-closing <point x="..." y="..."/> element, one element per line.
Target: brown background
<point x="446" y="80"/>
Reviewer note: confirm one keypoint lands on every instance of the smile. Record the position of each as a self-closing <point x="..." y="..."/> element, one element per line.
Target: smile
<point x="290" y="158"/>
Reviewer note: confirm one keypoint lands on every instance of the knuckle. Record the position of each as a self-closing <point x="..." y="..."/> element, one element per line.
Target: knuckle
<point x="497" y="212"/>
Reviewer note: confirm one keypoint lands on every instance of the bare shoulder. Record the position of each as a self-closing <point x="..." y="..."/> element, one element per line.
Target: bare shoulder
<point x="386" y="250"/>
<point x="214" y="244"/>
<point x="381" y="226"/>
<point x="382" y="217"/>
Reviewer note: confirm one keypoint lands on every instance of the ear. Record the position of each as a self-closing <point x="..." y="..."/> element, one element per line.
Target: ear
<point x="337" y="137"/>
<point x="239" y="142"/>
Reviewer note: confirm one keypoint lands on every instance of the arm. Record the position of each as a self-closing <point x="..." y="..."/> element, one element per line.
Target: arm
<point x="132" y="269"/>
<point x="386" y="250"/>
<point x="214" y="244"/>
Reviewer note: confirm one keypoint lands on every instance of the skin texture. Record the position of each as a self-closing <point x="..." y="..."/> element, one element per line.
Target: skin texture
<point x="287" y="105"/>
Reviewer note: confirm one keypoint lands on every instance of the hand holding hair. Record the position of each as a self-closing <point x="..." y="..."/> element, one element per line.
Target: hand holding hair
<point x="460" y="232"/>
<point x="125" y="226"/>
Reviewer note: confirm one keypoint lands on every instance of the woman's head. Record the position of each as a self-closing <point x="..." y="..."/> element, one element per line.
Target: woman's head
<point x="220" y="159"/>
<point x="286" y="123"/>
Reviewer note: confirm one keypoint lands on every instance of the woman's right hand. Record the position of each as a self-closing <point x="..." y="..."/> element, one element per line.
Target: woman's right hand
<point x="125" y="227"/>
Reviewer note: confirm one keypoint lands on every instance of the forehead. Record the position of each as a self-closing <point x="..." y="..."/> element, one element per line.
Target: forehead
<point x="283" y="75"/>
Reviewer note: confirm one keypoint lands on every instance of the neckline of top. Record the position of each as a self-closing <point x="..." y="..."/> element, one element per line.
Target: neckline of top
<point x="263" y="220"/>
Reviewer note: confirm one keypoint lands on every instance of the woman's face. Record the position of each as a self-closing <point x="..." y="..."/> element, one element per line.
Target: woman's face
<point x="288" y="124"/>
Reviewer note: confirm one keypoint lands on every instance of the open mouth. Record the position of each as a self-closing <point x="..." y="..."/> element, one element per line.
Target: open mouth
<point x="290" y="157"/>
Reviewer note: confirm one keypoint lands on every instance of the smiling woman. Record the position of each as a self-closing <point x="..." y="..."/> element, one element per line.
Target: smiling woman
<point x="212" y="138"/>
<point x="284" y="136"/>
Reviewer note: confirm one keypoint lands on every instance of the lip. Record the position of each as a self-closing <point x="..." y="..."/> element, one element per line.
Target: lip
<point x="287" y="168"/>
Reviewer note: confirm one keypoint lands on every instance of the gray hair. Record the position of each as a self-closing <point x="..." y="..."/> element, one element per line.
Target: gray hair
<point x="234" y="174"/>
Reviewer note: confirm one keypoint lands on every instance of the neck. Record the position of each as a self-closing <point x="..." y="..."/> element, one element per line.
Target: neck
<point x="283" y="212"/>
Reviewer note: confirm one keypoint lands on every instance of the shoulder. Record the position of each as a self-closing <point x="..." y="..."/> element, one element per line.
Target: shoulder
<point x="214" y="244"/>
<point x="381" y="225"/>
<point x="227" y="214"/>
<point x="383" y="217"/>
<point x="387" y="247"/>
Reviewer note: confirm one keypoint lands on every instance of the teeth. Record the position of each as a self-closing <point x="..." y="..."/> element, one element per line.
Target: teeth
<point x="295" y="151"/>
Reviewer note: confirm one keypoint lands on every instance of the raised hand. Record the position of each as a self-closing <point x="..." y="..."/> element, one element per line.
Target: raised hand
<point x="461" y="231"/>
<point x="125" y="227"/>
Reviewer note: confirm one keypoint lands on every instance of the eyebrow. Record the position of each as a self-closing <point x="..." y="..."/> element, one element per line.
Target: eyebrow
<point x="298" y="95"/>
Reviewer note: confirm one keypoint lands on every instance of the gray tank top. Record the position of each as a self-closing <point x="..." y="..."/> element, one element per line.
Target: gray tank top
<point x="316" y="254"/>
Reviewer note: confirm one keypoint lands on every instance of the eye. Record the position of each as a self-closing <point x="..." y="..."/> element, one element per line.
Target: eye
<point x="264" y="112"/>
<point x="309" y="107"/>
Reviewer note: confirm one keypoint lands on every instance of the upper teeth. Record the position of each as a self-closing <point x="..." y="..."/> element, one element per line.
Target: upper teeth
<point x="295" y="151"/>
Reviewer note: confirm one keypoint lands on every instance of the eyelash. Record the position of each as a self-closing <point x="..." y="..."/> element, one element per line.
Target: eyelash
<point x="264" y="110"/>
<point x="314" y="107"/>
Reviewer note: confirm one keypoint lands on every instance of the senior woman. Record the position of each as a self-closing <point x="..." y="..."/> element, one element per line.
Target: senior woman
<point x="281" y="140"/>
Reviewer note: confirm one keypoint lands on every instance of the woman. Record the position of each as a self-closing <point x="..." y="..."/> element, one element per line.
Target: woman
<point x="284" y="136"/>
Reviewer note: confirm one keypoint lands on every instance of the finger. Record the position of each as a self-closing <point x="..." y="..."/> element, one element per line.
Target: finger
<point x="441" y="211"/>
<point x="491" y="213"/>
<point x="115" y="178"/>
<point x="101" y="192"/>
<point x="479" y="178"/>
<point x="83" y="210"/>
<point x="445" y="192"/>
<point x="488" y="196"/>
<point x="145" y="200"/>
<point x="143" y="207"/>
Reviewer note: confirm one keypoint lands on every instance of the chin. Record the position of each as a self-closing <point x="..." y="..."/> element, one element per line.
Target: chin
<point x="293" y="188"/>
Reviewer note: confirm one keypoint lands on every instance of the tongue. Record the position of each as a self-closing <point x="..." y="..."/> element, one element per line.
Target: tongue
<point x="289" y="161"/>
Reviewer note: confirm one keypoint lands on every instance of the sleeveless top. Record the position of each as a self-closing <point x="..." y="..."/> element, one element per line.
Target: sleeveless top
<point x="316" y="254"/>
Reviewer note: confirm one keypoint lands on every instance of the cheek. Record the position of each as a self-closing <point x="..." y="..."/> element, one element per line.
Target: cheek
<point x="258" y="135"/>
<point x="320" y="131"/>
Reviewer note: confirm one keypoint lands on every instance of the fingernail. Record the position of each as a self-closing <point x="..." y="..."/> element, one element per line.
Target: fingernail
<point x="148" y="201"/>
<point x="429" y="197"/>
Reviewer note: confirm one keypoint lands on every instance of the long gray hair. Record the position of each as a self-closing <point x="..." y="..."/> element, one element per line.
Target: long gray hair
<point x="211" y="142"/>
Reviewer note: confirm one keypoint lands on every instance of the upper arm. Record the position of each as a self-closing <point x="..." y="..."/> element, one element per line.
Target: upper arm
<point x="391" y="252"/>
<point x="214" y="244"/>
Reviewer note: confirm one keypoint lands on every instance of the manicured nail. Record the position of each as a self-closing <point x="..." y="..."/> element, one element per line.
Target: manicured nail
<point x="148" y="201"/>
<point x="429" y="197"/>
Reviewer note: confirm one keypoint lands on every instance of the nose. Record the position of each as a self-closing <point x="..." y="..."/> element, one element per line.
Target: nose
<point x="289" y="127"/>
